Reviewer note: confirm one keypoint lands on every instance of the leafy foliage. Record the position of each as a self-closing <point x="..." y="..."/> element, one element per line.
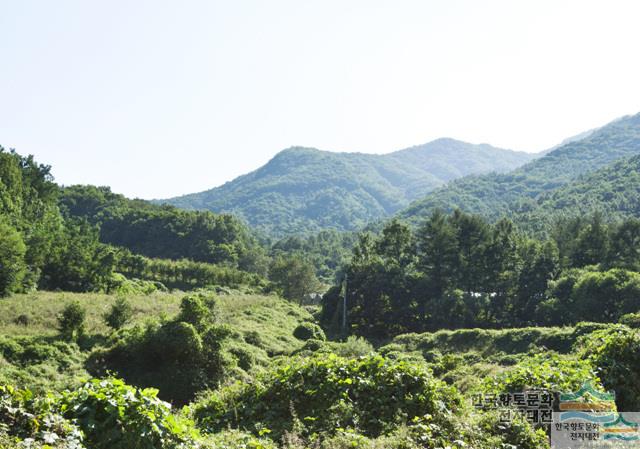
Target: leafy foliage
<point x="71" y="321"/>
<point x="615" y="354"/>
<point x="496" y="195"/>
<point x="321" y="394"/>
<point x="120" y="313"/>
<point x="12" y="266"/>
<point x="304" y="190"/>
<point x="306" y="331"/>
<point x="181" y="356"/>
<point x="101" y="414"/>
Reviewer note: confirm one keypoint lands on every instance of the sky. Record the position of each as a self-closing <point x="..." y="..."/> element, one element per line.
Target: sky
<point x="161" y="98"/>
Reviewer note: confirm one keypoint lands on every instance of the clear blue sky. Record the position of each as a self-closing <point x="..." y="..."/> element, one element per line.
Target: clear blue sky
<point x="160" y="98"/>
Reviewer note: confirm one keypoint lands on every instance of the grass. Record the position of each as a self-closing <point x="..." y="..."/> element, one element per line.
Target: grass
<point x="33" y="354"/>
<point x="43" y="308"/>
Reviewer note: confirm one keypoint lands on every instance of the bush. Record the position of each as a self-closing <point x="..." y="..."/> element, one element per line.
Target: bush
<point x="615" y="355"/>
<point x="631" y="320"/>
<point x="306" y="331"/>
<point x="518" y="433"/>
<point x="22" y="319"/>
<point x="354" y="347"/>
<point x="546" y="371"/>
<point x="120" y="314"/>
<point x="198" y="309"/>
<point x="113" y="415"/>
<point x="25" y="416"/>
<point x="179" y="357"/>
<point x="102" y="414"/>
<point x="71" y="321"/>
<point x="324" y="393"/>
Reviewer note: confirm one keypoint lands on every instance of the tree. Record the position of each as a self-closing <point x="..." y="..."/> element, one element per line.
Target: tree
<point x="438" y="257"/>
<point x="591" y="244"/>
<point x="71" y="321"/>
<point x="540" y="264"/>
<point x="12" y="265"/>
<point x="293" y="276"/>
<point x="624" y="251"/>
<point x="501" y="269"/>
<point x="120" y="314"/>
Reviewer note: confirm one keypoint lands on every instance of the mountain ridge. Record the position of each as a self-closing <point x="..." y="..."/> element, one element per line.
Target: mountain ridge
<point x="304" y="189"/>
<point x="496" y="195"/>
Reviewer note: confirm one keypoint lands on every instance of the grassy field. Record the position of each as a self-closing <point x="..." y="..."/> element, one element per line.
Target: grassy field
<point x="33" y="355"/>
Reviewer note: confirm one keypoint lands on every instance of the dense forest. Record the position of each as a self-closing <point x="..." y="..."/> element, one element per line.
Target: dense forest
<point x="459" y="271"/>
<point x="305" y="191"/>
<point x="517" y="192"/>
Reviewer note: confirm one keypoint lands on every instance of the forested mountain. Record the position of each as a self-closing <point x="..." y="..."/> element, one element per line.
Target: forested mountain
<point x="613" y="190"/>
<point x="305" y="190"/>
<point x="495" y="195"/>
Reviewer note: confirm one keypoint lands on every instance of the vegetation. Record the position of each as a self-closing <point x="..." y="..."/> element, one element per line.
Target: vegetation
<point x="304" y="190"/>
<point x="496" y="195"/>
<point x="111" y="306"/>
<point x="164" y="232"/>
<point x="461" y="271"/>
<point x="370" y="395"/>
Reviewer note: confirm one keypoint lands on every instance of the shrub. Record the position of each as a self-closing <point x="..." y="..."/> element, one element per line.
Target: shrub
<point x="113" y="415"/>
<point x="22" y="319"/>
<point x="71" y="320"/>
<point x="27" y="417"/>
<point x="494" y="432"/>
<point x="120" y="314"/>
<point x="306" y="331"/>
<point x="179" y="357"/>
<point x="254" y="338"/>
<point x="615" y="355"/>
<point x="327" y="392"/>
<point x="546" y="371"/>
<point x="631" y="320"/>
<point x="354" y="347"/>
<point x="198" y="309"/>
<point x="102" y="414"/>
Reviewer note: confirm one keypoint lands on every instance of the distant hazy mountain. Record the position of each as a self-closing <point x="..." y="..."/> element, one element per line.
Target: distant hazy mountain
<point x="304" y="190"/>
<point x="495" y="195"/>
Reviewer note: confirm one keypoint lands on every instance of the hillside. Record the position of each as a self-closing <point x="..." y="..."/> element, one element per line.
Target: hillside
<point x="613" y="190"/>
<point x="495" y="195"/>
<point x="304" y="190"/>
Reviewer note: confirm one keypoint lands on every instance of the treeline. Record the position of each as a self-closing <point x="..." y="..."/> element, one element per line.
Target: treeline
<point x="84" y="238"/>
<point x="38" y="247"/>
<point x="184" y="274"/>
<point x="459" y="271"/>
<point x="165" y="232"/>
<point x="327" y="251"/>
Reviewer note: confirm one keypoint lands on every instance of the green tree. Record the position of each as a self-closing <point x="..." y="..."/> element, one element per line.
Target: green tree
<point x="12" y="264"/>
<point x="293" y="276"/>
<point x="592" y="243"/>
<point x="624" y="251"/>
<point x="438" y="258"/>
<point x="71" y="321"/>
<point x="120" y="314"/>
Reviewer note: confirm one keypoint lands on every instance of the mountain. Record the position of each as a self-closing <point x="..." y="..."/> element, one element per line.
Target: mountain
<point x="613" y="190"/>
<point x="495" y="195"/>
<point x="304" y="190"/>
